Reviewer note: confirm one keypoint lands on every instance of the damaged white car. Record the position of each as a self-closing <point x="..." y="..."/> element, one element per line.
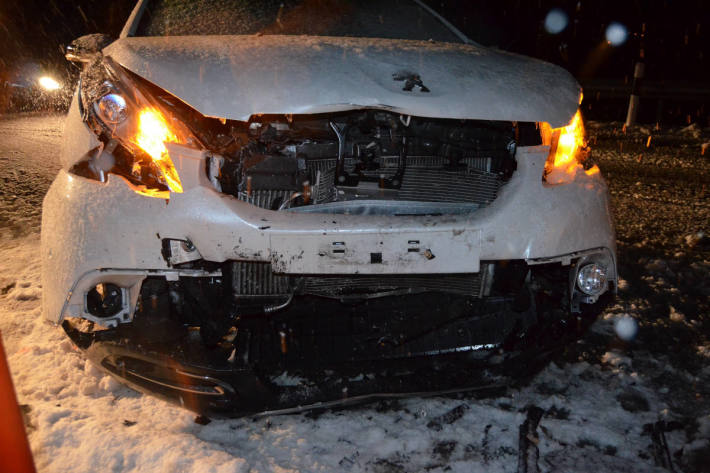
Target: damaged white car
<point x="266" y="205"/>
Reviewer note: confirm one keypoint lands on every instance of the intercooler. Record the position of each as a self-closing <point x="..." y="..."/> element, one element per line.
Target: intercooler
<point x="256" y="280"/>
<point x="365" y="285"/>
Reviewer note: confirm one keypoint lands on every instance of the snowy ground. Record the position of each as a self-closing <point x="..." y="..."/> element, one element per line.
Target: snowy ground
<point x="601" y="400"/>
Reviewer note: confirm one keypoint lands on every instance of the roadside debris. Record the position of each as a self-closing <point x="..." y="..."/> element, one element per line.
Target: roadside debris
<point x="450" y="417"/>
<point x="528" y="439"/>
<point x="659" y="447"/>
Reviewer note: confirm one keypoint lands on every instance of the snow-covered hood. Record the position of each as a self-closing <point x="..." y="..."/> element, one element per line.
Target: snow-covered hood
<point x="235" y="77"/>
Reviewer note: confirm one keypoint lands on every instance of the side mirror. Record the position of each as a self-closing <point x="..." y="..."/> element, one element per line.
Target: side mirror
<point x="85" y="48"/>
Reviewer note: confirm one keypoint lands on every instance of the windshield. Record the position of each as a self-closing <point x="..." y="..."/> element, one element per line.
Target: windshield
<point x="394" y="19"/>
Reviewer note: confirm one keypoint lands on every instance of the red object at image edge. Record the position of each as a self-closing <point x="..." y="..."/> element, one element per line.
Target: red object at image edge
<point x="15" y="454"/>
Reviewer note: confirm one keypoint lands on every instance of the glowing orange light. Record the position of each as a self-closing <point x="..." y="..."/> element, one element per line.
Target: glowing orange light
<point x="567" y="144"/>
<point x="153" y="133"/>
<point x="571" y="140"/>
<point x="142" y="190"/>
<point x="592" y="170"/>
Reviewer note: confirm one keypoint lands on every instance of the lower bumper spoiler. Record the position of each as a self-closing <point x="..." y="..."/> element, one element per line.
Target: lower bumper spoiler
<point x="208" y="382"/>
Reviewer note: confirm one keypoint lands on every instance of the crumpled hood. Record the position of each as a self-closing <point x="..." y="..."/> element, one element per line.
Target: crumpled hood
<point x="235" y="77"/>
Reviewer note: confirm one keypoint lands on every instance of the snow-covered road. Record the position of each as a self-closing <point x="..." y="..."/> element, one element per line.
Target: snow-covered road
<point x="601" y="400"/>
<point x="29" y="149"/>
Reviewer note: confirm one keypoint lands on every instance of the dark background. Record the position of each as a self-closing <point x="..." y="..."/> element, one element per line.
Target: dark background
<point x="671" y="36"/>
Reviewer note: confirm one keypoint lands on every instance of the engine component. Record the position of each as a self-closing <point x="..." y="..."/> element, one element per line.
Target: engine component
<point x="370" y="156"/>
<point x="255" y="281"/>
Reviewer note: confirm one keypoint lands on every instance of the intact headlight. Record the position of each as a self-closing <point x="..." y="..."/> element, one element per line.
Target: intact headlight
<point x="135" y="126"/>
<point x="592" y="279"/>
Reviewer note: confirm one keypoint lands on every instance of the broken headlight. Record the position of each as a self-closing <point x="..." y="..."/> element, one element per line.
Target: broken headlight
<point x="133" y="126"/>
<point x="568" y="152"/>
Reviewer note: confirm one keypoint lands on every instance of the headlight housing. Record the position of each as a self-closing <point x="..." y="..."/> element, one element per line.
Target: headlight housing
<point x="592" y="279"/>
<point x="133" y="126"/>
<point x="568" y="152"/>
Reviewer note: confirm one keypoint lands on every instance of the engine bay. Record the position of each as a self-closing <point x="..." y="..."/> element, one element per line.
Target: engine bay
<point x="368" y="162"/>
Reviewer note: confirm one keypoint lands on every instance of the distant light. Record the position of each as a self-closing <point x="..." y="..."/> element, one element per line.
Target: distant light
<point x="47" y="83"/>
<point x="556" y="21"/>
<point x="616" y="34"/>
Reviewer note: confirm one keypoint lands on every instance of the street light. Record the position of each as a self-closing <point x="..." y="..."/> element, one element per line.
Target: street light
<point x="47" y="83"/>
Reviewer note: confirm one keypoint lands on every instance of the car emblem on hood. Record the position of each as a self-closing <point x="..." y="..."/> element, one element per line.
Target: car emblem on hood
<point x="411" y="80"/>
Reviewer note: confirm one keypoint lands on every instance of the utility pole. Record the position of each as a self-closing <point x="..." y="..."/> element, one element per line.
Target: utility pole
<point x="634" y="99"/>
<point x="639" y="68"/>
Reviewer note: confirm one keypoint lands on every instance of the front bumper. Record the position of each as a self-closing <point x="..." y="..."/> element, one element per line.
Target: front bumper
<point x="95" y="232"/>
<point x="105" y="232"/>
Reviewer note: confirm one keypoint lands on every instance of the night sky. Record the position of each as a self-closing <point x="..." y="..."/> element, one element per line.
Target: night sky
<point x="32" y="32"/>
<point x="673" y="41"/>
<point x="670" y="34"/>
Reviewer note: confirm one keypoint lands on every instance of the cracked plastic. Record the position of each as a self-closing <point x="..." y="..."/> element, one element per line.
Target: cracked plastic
<point x="85" y="230"/>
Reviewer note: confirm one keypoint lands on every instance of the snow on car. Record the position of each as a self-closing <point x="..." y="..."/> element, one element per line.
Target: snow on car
<point x="293" y="207"/>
